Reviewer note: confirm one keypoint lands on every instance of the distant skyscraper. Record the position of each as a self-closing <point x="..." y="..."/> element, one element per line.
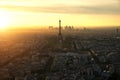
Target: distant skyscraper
<point x="60" y="32"/>
<point x="85" y="29"/>
<point x="117" y="30"/>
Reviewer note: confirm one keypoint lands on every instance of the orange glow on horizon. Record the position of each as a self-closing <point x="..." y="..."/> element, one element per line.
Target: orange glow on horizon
<point x="36" y="20"/>
<point x="4" y="19"/>
<point x="39" y="14"/>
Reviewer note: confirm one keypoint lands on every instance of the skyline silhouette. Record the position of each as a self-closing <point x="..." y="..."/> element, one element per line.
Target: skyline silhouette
<point x="40" y="13"/>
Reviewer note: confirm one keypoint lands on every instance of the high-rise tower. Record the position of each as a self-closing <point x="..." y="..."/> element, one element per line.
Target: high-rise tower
<point x="60" y="32"/>
<point x="117" y="32"/>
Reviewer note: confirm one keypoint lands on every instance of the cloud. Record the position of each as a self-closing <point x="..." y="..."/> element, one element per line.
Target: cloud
<point x="101" y="9"/>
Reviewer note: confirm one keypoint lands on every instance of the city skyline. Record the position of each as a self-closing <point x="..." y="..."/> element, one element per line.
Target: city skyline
<point x="29" y="13"/>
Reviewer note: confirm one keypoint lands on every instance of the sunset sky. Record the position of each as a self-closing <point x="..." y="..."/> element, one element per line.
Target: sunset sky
<point x="28" y="13"/>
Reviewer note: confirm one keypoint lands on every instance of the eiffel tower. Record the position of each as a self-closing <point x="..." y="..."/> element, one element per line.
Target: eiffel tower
<point x="60" y="32"/>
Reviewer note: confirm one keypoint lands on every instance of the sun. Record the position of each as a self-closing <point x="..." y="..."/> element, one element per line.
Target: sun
<point x="4" y="20"/>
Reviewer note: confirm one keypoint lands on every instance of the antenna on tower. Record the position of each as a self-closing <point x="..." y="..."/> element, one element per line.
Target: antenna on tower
<point x="60" y="32"/>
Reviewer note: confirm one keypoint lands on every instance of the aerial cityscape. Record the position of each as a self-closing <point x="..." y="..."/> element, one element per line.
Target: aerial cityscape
<point x="61" y="54"/>
<point x="59" y="39"/>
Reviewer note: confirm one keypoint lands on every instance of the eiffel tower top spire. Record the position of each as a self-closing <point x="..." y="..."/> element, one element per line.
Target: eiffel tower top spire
<point x="60" y="31"/>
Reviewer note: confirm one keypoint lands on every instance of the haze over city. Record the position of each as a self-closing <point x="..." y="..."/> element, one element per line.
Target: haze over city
<point x="59" y="39"/>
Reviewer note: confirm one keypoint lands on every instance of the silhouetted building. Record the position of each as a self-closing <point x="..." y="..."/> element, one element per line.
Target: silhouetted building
<point x="117" y="31"/>
<point x="50" y="27"/>
<point x="69" y="27"/>
<point x="60" y="32"/>
<point x="85" y="29"/>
